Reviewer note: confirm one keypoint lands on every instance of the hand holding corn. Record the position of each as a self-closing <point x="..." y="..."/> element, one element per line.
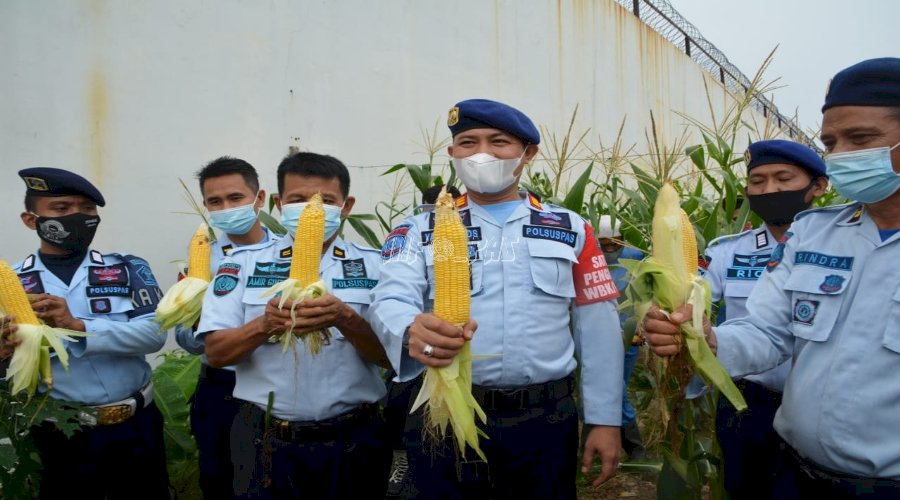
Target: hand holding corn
<point x="446" y="339"/>
<point x="303" y="281"/>
<point x="54" y="311"/>
<point x="182" y="302"/>
<point x="663" y="332"/>
<point x="8" y="339"/>
<point x="30" y="363"/>
<point x="447" y="386"/>
<point x="669" y="279"/>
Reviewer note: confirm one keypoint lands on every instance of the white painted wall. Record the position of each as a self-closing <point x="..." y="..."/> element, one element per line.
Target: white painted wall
<point x="134" y="95"/>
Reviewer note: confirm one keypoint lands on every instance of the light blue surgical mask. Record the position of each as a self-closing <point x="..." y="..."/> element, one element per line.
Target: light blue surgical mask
<point x="290" y="215"/>
<point x="237" y="220"/>
<point x="866" y="175"/>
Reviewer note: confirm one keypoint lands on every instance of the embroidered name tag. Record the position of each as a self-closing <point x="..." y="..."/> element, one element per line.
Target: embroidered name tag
<point x="339" y="284"/>
<point x="108" y="291"/>
<point x="823" y="260"/>
<point x="552" y="234"/>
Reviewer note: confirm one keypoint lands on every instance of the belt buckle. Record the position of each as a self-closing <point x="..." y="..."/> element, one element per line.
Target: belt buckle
<point x="114" y="414"/>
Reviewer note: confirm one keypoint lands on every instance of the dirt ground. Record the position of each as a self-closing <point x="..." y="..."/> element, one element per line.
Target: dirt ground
<point x="623" y="485"/>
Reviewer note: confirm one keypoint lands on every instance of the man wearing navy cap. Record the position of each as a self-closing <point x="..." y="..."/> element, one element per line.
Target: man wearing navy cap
<point x="536" y="270"/>
<point x="112" y="298"/>
<point x="783" y="178"/>
<point x="830" y="299"/>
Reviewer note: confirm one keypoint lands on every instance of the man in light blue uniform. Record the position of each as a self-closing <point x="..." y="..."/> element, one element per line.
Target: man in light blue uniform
<point x="830" y="300"/>
<point x="783" y="178"/>
<point x="231" y="194"/>
<point x="323" y="436"/>
<point x="611" y="242"/>
<point x="535" y="268"/>
<point x="112" y="298"/>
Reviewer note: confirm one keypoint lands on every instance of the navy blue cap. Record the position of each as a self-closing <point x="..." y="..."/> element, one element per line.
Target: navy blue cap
<point x="484" y="113"/>
<point x="46" y="181"/>
<point x="788" y="152"/>
<point x="874" y="82"/>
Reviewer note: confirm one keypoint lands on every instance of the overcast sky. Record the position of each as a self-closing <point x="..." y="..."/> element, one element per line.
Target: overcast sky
<point x="815" y="38"/>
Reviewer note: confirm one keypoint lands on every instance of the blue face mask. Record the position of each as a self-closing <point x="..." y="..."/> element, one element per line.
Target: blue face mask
<point x="290" y="215"/>
<point x="865" y="175"/>
<point x="237" y="220"/>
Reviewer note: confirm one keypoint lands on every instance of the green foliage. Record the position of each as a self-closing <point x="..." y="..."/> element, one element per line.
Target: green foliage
<point x="20" y="463"/>
<point x="174" y="382"/>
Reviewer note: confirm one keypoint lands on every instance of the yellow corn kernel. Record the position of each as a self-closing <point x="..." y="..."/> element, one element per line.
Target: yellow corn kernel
<point x="688" y="243"/>
<point x="199" y="255"/>
<point x="308" y="241"/>
<point x="13" y="301"/>
<point x="673" y="236"/>
<point x="451" y="263"/>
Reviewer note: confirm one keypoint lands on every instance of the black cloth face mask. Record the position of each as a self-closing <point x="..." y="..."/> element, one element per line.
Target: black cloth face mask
<point x="780" y="208"/>
<point x="72" y="233"/>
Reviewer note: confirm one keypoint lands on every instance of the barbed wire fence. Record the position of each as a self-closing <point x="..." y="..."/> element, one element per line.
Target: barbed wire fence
<point x="662" y="17"/>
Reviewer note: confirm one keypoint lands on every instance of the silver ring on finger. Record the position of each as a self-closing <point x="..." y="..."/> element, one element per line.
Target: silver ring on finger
<point x="428" y="350"/>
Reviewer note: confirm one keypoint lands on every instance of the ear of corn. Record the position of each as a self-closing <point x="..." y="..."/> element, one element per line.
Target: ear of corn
<point x="30" y="361"/>
<point x="448" y="390"/>
<point x="303" y="280"/>
<point x="181" y="305"/>
<point x="669" y="278"/>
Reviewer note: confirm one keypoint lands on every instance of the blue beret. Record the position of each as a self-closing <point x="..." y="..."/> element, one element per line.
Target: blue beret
<point x="484" y="113"/>
<point x="46" y="181"/>
<point x="875" y="82"/>
<point x="779" y="151"/>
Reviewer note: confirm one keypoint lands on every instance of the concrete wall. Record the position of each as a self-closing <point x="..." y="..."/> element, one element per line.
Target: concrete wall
<point x="135" y="95"/>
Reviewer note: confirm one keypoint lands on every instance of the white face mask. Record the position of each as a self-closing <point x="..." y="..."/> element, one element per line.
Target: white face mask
<point x="865" y="175"/>
<point x="290" y="216"/>
<point x="487" y="174"/>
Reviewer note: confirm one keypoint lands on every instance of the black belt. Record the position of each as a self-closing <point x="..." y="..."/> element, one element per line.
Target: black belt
<point x="216" y="374"/>
<point x="322" y="430"/>
<point x="523" y="397"/>
<point x="841" y="480"/>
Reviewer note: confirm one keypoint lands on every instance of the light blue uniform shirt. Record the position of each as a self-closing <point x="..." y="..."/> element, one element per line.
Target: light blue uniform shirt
<point x="832" y="301"/>
<point x="219" y="249"/>
<point x="735" y="264"/>
<point x="525" y="277"/>
<point x="116" y="297"/>
<point x="306" y="387"/>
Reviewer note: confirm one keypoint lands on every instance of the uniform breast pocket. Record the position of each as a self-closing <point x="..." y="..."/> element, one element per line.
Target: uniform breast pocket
<point x="254" y="304"/>
<point x="475" y="267"/>
<point x="892" y="331"/>
<point x="817" y="295"/>
<point x="739" y="290"/>
<point x="551" y="267"/>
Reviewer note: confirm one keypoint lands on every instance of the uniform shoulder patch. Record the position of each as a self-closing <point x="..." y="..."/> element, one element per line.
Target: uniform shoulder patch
<point x="231" y="268"/>
<point x="145" y="292"/>
<point x="395" y="241"/>
<point x="224" y="284"/>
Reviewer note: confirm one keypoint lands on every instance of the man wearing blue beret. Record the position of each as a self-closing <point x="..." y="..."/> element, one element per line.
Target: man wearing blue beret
<point x="830" y="300"/>
<point x="541" y="295"/>
<point x="111" y="297"/>
<point x="783" y="178"/>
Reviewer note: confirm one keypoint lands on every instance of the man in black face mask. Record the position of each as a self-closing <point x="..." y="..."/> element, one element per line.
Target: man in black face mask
<point x="783" y="178"/>
<point x="112" y="298"/>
